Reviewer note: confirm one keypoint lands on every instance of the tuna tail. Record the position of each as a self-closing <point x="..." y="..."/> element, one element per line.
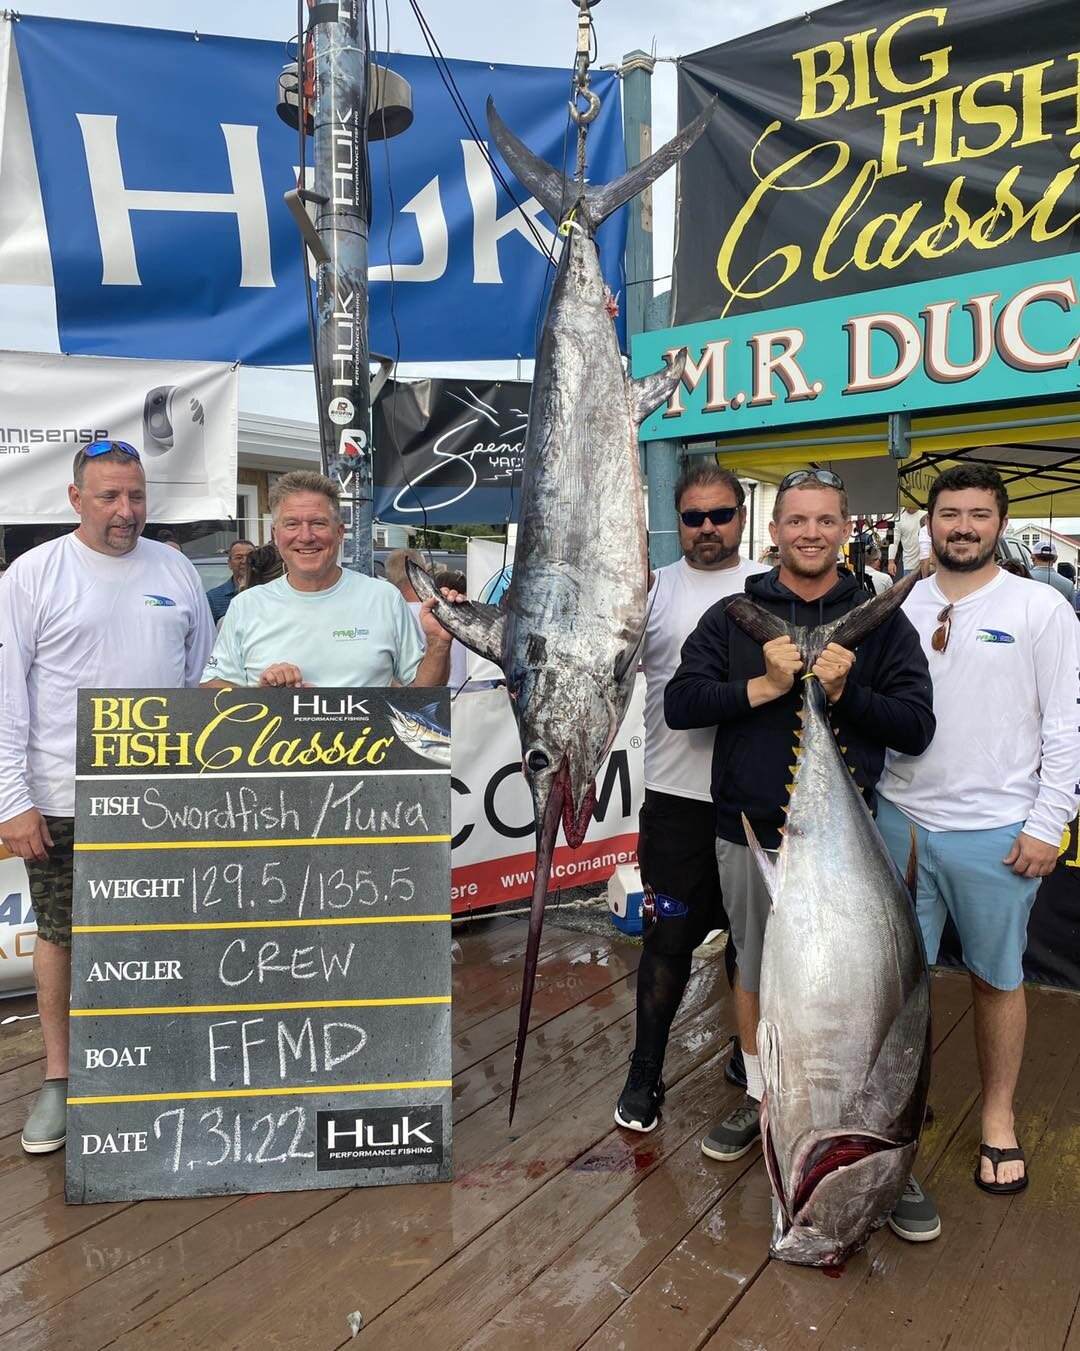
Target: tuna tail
<point x="545" y="849"/>
<point x="849" y="630"/>
<point x="556" y="193"/>
<point x="479" y="627"/>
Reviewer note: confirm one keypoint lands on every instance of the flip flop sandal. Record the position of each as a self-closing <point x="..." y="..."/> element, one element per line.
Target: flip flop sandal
<point x="998" y="1156"/>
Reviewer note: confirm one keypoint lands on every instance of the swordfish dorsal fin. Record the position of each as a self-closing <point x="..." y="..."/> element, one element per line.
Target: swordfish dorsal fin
<point x="479" y="627"/>
<point x="556" y="193"/>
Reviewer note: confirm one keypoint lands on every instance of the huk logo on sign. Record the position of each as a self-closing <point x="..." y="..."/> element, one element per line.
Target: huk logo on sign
<point x="379" y="1137"/>
<point x="881" y="216"/>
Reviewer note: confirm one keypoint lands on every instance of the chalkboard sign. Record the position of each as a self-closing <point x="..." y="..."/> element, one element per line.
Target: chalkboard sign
<point x="260" y="984"/>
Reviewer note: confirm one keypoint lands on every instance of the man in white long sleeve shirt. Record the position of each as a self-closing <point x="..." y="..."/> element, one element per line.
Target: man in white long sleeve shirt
<point x="989" y="800"/>
<point x="99" y="608"/>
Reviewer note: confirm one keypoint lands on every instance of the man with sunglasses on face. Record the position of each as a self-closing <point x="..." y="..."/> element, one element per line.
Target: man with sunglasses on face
<point x="99" y="608"/>
<point x="675" y="840"/>
<point x="752" y="696"/>
<point x="989" y="800"/>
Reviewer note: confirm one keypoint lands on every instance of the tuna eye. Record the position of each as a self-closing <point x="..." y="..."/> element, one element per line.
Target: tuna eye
<point x="537" y="760"/>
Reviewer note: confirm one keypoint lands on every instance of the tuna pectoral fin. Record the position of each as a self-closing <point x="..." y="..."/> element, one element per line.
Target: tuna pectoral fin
<point x="901" y="1070"/>
<point x="766" y="865"/>
<point x="479" y="627"/>
<point x="862" y="621"/>
<point x="648" y="393"/>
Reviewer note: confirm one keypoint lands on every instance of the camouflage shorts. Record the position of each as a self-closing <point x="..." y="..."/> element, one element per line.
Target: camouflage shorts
<point x="51" y="883"/>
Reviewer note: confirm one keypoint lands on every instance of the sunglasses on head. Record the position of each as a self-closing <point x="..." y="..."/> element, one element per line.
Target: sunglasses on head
<point x="825" y="476"/>
<point x="96" y="448"/>
<point x="717" y="515"/>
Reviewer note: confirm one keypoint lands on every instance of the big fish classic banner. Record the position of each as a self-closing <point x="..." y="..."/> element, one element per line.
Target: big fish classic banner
<point x="882" y="215"/>
<point x="163" y="165"/>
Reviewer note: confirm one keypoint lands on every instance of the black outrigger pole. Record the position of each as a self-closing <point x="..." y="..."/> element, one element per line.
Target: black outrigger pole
<point x="345" y="104"/>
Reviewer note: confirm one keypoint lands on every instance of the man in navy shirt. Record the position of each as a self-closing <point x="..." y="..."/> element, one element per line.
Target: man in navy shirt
<point x="220" y="597"/>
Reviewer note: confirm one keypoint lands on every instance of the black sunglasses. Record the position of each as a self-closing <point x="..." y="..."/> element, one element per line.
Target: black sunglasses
<point x="717" y="515"/>
<point x="96" y="448"/>
<point x="825" y="476"/>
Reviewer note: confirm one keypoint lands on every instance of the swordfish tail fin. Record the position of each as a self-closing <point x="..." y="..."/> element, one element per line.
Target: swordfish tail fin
<point x="557" y="194"/>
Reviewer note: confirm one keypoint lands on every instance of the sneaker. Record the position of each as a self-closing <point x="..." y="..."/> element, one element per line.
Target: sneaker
<point x="736" y="1135"/>
<point x="46" y="1126"/>
<point x="642" y="1095"/>
<point x="915" y="1216"/>
<point x="735" y="1069"/>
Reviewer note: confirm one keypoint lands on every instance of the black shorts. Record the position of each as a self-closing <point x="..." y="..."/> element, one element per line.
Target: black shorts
<point x="677" y="854"/>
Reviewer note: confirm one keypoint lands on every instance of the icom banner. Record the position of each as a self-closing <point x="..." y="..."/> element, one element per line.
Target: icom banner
<point x="494" y="833"/>
<point x="881" y="216"/>
<point x="449" y="450"/>
<point x="260" y="967"/>
<point x="168" y="232"/>
<point x="181" y="416"/>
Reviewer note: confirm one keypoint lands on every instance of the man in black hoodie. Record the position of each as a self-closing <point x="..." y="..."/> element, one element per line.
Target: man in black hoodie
<point x="752" y="695"/>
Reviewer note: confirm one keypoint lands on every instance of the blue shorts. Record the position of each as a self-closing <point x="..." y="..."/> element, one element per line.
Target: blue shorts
<point x="961" y="874"/>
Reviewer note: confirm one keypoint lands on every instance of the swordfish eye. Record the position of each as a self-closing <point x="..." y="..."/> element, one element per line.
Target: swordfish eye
<point x="537" y="760"/>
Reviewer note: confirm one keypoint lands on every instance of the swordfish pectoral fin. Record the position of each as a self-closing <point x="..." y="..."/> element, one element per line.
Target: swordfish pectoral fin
<point x="767" y="866"/>
<point x="479" y="627"/>
<point x="649" y="392"/>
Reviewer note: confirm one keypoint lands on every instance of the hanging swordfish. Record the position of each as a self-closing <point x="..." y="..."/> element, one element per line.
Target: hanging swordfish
<point x="569" y="628"/>
<point x="844" y="1036"/>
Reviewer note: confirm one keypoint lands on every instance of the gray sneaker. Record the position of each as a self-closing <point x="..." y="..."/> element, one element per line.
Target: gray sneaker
<point x="46" y="1126"/>
<point x="915" y="1216"/>
<point x="736" y="1135"/>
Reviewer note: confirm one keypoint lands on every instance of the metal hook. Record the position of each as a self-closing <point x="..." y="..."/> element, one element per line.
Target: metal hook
<point x="589" y="114"/>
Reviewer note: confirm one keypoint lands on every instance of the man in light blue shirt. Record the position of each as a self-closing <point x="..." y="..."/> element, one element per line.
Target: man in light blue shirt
<point x="319" y="624"/>
<point x="1045" y="556"/>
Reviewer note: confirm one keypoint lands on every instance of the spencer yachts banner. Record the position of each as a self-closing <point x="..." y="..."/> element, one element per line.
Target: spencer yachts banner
<point x="449" y="450"/>
<point x="163" y="164"/>
<point x="181" y="416"/>
<point x="882" y="216"/>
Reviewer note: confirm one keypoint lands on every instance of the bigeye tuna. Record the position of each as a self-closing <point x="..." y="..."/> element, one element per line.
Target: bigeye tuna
<point x="844" y="1036"/>
<point x="569" y="628"/>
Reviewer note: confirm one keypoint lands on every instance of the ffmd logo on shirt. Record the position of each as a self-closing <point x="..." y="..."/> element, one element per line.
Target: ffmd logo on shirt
<point x="379" y="1137"/>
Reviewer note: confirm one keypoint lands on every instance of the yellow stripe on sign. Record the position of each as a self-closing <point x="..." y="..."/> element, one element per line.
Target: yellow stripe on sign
<point x="264" y="1092"/>
<point x="254" y="1008"/>
<point x="270" y="844"/>
<point x="255" y="924"/>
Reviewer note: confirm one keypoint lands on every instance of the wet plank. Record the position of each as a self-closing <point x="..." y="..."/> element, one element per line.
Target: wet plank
<point x="496" y="1169"/>
<point x="684" y="1299"/>
<point x="874" y="1302"/>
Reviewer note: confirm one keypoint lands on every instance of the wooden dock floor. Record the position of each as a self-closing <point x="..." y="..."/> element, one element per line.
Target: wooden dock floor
<point x="563" y="1232"/>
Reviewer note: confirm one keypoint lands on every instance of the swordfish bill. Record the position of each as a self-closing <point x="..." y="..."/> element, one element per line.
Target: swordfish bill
<point x="844" y="1036"/>
<point x="568" y="631"/>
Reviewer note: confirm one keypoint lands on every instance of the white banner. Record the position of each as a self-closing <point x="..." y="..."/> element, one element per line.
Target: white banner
<point x="494" y="842"/>
<point x="180" y="415"/>
<point x="17" y="929"/>
<point x="489" y="565"/>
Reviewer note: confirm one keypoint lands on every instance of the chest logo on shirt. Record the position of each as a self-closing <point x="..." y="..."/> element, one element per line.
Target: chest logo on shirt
<point x="994" y="636"/>
<point x="348" y="635"/>
<point x="157" y="600"/>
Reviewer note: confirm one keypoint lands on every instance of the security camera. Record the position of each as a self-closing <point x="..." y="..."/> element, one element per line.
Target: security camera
<point x="158" y="420"/>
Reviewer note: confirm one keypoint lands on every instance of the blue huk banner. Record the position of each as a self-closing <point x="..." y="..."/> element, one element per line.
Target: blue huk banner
<point x="163" y="166"/>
